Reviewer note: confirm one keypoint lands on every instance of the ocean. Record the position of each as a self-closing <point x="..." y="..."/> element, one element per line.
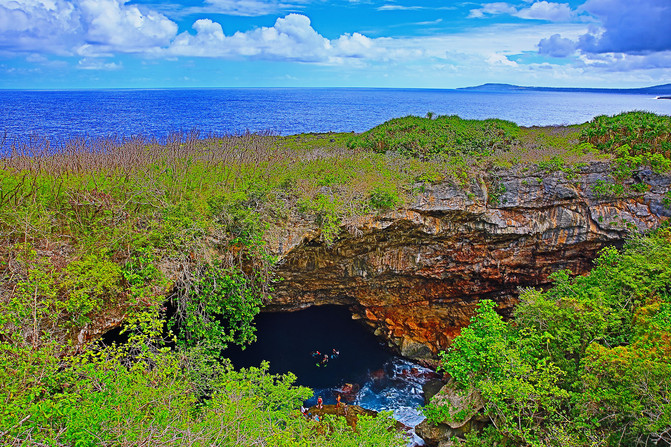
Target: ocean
<point x="62" y="115"/>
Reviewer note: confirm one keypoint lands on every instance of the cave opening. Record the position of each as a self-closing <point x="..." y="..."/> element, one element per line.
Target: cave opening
<point x="365" y="372"/>
<point x="290" y="341"/>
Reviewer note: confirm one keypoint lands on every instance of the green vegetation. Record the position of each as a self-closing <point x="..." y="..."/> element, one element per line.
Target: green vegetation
<point x="587" y="362"/>
<point x="643" y="132"/>
<point x="425" y="137"/>
<point x="107" y="230"/>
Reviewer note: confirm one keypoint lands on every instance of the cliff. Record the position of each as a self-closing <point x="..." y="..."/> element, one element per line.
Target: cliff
<point x="415" y="274"/>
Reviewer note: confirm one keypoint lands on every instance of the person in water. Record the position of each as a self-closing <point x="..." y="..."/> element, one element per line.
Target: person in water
<point x="335" y="353"/>
<point x="325" y="360"/>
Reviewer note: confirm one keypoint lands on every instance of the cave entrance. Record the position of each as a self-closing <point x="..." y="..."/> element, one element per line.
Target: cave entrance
<point x="290" y="341"/>
<point x="365" y="372"/>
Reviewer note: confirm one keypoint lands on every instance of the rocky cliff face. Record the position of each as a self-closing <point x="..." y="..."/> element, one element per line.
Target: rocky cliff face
<point x="416" y="274"/>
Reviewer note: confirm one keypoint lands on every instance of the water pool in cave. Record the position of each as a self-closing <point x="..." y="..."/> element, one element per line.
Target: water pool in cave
<point x="365" y="372"/>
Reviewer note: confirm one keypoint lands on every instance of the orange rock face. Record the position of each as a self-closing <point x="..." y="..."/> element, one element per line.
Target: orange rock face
<point x="415" y="275"/>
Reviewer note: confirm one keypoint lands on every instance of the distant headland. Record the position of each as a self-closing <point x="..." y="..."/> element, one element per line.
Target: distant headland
<point x="660" y="90"/>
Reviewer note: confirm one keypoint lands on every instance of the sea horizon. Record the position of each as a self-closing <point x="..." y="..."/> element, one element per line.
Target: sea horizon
<point x="61" y="115"/>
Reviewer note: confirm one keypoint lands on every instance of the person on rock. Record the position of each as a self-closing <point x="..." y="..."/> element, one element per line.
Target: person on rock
<point x="320" y="403"/>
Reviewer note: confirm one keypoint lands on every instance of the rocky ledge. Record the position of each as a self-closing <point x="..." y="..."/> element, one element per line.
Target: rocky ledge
<point x="416" y="274"/>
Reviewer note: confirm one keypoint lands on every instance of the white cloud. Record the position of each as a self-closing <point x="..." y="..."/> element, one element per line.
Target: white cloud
<point x="33" y="25"/>
<point x="113" y="24"/>
<point x="60" y="26"/>
<point x="97" y="64"/>
<point x="291" y="38"/>
<point x="554" y="12"/>
<point x="492" y="9"/>
<point x="500" y="59"/>
<point x="556" y="46"/>
<point x="390" y="7"/>
<point x="245" y="7"/>
<point x="541" y="10"/>
<point x="633" y="36"/>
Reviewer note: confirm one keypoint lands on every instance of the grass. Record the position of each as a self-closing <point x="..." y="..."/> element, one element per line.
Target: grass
<point x="426" y="137"/>
<point x="109" y="227"/>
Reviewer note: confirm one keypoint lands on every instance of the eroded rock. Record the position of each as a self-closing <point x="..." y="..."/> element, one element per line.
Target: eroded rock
<point x="416" y="274"/>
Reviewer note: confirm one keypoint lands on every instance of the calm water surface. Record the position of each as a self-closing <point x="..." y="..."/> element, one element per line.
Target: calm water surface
<point x="67" y="114"/>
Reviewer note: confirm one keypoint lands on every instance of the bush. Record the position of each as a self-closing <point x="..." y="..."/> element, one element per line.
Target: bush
<point x="584" y="362"/>
<point x="644" y="132"/>
<point x="426" y="137"/>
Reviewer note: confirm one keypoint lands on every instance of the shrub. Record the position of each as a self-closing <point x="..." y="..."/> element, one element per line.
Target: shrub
<point x="426" y="137"/>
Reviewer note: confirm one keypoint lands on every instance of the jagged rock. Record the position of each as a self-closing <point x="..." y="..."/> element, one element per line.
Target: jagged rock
<point x="434" y="434"/>
<point x="431" y="388"/>
<point x="463" y="405"/>
<point x="464" y="408"/>
<point x="351" y="413"/>
<point x="416" y="274"/>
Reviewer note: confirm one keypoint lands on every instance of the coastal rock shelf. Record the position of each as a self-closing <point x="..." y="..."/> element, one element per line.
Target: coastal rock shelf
<point x="416" y="274"/>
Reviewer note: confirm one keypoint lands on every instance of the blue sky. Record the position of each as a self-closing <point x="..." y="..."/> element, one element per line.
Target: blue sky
<point x="53" y="44"/>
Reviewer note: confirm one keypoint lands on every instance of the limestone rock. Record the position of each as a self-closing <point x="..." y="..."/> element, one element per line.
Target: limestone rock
<point x="462" y="404"/>
<point x="416" y="274"/>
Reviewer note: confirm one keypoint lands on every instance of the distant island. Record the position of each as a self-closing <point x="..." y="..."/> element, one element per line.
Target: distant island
<point x="664" y="89"/>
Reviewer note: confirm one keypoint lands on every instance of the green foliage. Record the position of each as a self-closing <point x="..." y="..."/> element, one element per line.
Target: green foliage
<point x="94" y="228"/>
<point x="495" y="191"/>
<point x="220" y="309"/>
<point x="586" y="362"/>
<point x="425" y="137"/>
<point x="640" y="187"/>
<point x="643" y="132"/>
<point x="604" y="189"/>
<point x="325" y="207"/>
<point x="88" y="283"/>
<point x="143" y="394"/>
<point x="436" y="414"/>
<point x="384" y="199"/>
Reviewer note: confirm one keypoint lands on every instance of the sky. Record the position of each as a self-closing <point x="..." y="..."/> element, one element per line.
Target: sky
<point x="64" y="44"/>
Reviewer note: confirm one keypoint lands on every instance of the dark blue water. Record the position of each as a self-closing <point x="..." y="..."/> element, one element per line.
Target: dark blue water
<point x="289" y="339"/>
<point x="365" y="373"/>
<point x="67" y="114"/>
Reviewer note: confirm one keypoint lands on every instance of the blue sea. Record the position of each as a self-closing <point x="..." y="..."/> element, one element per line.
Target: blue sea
<point x="62" y="115"/>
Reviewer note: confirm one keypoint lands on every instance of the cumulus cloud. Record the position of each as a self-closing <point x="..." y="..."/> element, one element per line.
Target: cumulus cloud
<point x="629" y="26"/>
<point x="60" y="26"/>
<point x="27" y="25"/>
<point x="115" y="25"/>
<point x="556" y="46"/>
<point x="290" y="38"/>
<point x="542" y="10"/>
<point x="632" y="36"/>
<point x="554" y="12"/>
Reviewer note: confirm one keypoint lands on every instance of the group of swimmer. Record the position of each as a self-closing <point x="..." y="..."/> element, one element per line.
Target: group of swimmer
<point x="323" y="359"/>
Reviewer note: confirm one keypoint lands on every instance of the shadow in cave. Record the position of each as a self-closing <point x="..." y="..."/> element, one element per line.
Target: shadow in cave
<point x="288" y="339"/>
